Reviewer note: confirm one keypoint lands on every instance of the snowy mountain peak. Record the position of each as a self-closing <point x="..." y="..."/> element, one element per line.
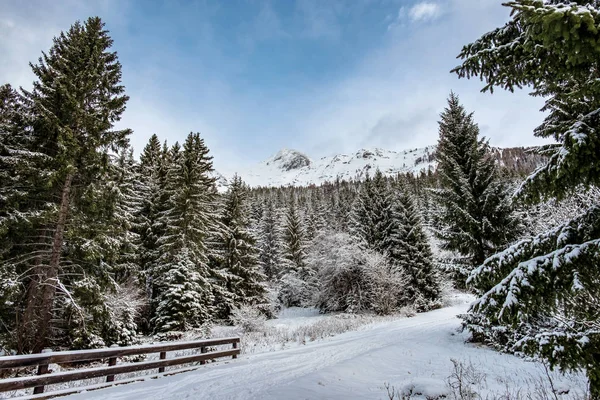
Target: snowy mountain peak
<point x="288" y="159"/>
<point x="373" y="153"/>
<point x="291" y="167"/>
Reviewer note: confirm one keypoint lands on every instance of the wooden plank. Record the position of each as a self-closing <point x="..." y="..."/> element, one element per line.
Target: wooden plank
<point x="42" y="369"/>
<point x="111" y="363"/>
<point x="59" y="357"/>
<point x="163" y="355"/>
<point x="61" y="377"/>
<point x="203" y="350"/>
<point x="103" y="385"/>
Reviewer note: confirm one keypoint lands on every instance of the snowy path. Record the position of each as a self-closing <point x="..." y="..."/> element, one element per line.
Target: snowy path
<point x="353" y="365"/>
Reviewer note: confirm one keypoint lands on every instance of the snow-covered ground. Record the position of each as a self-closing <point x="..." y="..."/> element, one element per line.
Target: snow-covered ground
<point x="404" y="353"/>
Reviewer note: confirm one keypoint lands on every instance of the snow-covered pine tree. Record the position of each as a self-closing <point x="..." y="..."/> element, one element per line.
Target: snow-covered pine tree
<point x="314" y="217"/>
<point x="152" y="170"/>
<point x="548" y="285"/>
<point x="125" y="300"/>
<point x="256" y="213"/>
<point x="14" y="157"/>
<point x="73" y="106"/>
<point x="239" y="261"/>
<point x="372" y="217"/>
<point x="294" y="249"/>
<point x="270" y="242"/>
<point x="184" y="288"/>
<point x="409" y="248"/>
<point x="297" y="277"/>
<point x="14" y="228"/>
<point x="342" y="282"/>
<point x="475" y="216"/>
<point x="124" y="184"/>
<point x="386" y="221"/>
<point x="101" y="242"/>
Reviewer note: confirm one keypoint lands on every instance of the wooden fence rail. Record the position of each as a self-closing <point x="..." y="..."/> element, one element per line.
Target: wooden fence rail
<point x="42" y="361"/>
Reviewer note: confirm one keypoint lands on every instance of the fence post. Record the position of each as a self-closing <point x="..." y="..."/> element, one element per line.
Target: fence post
<point x="112" y="361"/>
<point x="202" y="350"/>
<point x="235" y="345"/>
<point x="42" y="369"/>
<point x="163" y="355"/>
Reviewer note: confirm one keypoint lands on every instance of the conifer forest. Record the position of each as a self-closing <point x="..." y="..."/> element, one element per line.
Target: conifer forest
<point x="102" y="244"/>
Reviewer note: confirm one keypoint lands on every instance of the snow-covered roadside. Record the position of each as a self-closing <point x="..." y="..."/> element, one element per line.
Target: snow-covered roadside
<point x="410" y="352"/>
<point x="294" y="327"/>
<point x="298" y="326"/>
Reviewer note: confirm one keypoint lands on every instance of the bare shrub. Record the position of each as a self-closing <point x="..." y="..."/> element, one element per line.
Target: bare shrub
<point x="463" y="379"/>
<point x="248" y="319"/>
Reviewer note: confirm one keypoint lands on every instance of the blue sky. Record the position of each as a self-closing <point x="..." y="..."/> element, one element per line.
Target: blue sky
<point x="253" y="76"/>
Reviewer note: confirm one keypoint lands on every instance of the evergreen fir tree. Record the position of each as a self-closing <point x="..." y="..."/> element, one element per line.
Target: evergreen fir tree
<point x="294" y="250"/>
<point x="386" y="221"/>
<point x="15" y="156"/>
<point x="73" y="106"/>
<point x="547" y="288"/>
<point x="269" y="242"/>
<point x="184" y="288"/>
<point x="297" y="277"/>
<point x="410" y="250"/>
<point x="240" y="263"/>
<point x="372" y="218"/>
<point x="475" y="217"/>
<point x="153" y="167"/>
<point x="314" y="218"/>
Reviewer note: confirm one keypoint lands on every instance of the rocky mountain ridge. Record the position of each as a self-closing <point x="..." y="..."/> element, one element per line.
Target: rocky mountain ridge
<point x="290" y="167"/>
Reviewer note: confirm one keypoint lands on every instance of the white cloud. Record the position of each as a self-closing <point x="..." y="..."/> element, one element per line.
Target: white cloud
<point x="424" y="11"/>
<point x="393" y="100"/>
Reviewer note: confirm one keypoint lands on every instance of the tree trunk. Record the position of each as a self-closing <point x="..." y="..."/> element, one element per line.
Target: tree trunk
<point x="38" y="313"/>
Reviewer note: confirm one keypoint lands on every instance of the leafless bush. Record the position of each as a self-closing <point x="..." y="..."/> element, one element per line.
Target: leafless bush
<point x="248" y="319"/>
<point x="463" y="379"/>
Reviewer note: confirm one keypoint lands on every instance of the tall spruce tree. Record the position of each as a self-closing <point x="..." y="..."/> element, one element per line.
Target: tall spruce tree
<point x="297" y="277"/>
<point x="270" y="242"/>
<point x="153" y="167"/>
<point x="294" y="249"/>
<point x="372" y="217"/>
<point x="74" y="104"/>
<point x="15" y="157"/>
<point x="385" y="220"/>
<point x="239" y="261"/>
<point x="410" y="249"/>
<point x="184" y="288"/>
<point x="546" y="289"/>
<point x="475" y="217"/>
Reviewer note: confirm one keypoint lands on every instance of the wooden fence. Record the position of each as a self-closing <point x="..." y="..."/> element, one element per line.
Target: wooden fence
<point x="42" y="360"/>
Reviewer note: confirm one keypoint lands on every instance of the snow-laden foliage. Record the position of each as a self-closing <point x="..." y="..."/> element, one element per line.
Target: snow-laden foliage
<point x="542" y="294"/>
<point x="551" y="213"/>
<point x="352" y="279"/>
<point x="242" y="277"/>
<point x="385" y="220"/>
<point x="184" y="289"/>
<point x="475" y="217"/>
<point x="548" y="285"/>
<point x="269" y="241"/>
<point x="297" y="277"/>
